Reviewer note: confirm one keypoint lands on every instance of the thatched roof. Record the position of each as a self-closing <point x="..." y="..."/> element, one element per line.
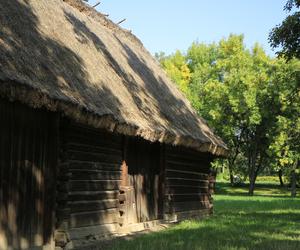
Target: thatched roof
<point x="66" y="57"/>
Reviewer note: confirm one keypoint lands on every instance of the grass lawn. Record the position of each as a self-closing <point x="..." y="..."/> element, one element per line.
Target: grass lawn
<point x="268" y="220"/>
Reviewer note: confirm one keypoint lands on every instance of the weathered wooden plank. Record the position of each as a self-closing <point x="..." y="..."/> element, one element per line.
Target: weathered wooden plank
<point x="98" y="230"/>
<point x="184" y="173"/>
<point x="93" y="195"/>
<point x="82" y="206"/>
<point x="185" y="162"/>
<point x="94" y="185"/>
<point x="188" y="166"/>
<point x="97" y="139"/>
<point x="108" y="149"/>
<point x="187" y="197"/>
<point x="185" y="189"/>
<point x="178" y="180"/>
<point x="188" y="152"/>
<point x="93" y="157"/>
<point x="63" y="213"/>
<point x="63" y="187"/>
<point x="61" y="197"/>
<point x="187" y="183"/>
<point x="77" y="128"/>
<point x="95" y="175"/>
<point x="100" y="217"/>
<point x="92" y="166"/>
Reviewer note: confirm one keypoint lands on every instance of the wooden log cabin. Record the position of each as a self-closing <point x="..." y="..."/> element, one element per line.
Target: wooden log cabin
<point x="95" y="139"/>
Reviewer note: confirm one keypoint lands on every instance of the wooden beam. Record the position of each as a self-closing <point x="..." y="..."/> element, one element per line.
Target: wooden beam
<point x="123" y="20"/>
<point x="94" y="218"/>
<point x="94" y="6"/>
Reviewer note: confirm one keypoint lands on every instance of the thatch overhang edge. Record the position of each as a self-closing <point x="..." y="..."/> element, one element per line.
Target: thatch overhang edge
<point x="15" y="90"/>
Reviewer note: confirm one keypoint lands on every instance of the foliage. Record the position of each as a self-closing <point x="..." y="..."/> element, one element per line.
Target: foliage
<point x="285" y="148"/>
<point x="232" y="86"/>
<point x="287" y="34"/>
<point x="268" y="179"/>
<point x="250" y="99"/>
<point x="176" y="67"/>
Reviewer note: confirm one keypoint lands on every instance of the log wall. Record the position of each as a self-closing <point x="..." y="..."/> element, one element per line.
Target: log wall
<point x="28" y="160"/>
<point x="43" y="157"/>
<point x="107" y="182"/>
<point x="89" y="181"/>
<point x="186" y="183"/>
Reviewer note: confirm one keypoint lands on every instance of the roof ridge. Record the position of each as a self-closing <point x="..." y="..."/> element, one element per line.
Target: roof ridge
<point x="102" y="19"/>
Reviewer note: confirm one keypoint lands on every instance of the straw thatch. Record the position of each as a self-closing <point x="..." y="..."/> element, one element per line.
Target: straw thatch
<point x="66" y="57"/>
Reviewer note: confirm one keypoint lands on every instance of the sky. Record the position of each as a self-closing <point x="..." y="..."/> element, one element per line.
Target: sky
<point x="167" y="26"/>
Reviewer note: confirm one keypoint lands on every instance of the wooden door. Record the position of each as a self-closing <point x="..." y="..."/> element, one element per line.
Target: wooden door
<point x="144" y="169"/>
<point x="28" y="153"/>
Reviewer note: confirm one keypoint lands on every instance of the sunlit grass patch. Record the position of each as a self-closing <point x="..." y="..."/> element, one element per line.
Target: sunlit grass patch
<point x="266" y="221"/>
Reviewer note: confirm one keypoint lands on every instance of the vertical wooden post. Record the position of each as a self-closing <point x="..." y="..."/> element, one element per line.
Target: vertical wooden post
<point x="124" y="167"/>
<point x="162" y="181"/>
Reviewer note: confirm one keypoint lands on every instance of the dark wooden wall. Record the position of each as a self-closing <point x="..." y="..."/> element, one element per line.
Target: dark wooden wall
<point x="89" y="179"/>
<point x="28" y="160"/>
<point x="87" y="176"/>
<point x="94" y="193"/>
<point x="186" y="180"/>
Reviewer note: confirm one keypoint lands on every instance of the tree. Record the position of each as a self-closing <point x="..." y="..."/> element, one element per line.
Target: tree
<point x="285" y="148"/>
<point x="287" y="34"/>
<point x="232" y="86"/>
<point x="241" y="93"/>
<point x="176" y="67"/>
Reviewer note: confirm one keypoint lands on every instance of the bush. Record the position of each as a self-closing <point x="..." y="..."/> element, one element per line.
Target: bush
<point x="237" y="180"/>
<point x="268" y="179"/>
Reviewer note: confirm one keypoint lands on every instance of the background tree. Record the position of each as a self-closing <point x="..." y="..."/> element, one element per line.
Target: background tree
<point x="176" y="67"/>
<point x="286" y="145"/>
<point x="285" y="148"/>
<point x="242" y="93"/>
<point x="287" y="35"/>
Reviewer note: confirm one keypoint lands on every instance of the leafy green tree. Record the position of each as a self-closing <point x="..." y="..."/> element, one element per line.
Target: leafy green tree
<point x="176" y="67"/>
<point x="239" y="92"/>
<point x="285" y="148"/>
<point x="287" y="34"/>
<point x="234" y="101"/>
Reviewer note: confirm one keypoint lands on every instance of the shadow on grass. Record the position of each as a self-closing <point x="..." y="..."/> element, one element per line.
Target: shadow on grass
<point x="262" y="189"/>
<point x="239" y="223"/>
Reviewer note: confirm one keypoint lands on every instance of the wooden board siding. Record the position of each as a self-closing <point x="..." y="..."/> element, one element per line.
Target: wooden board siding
<point x="90" y="177"/>
<point x="28" y="160"/>
<point x="186" y="180"/>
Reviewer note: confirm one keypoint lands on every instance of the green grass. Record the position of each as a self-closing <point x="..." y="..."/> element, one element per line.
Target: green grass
<point x="262" y="189"/>
<point x="268" y="220"/>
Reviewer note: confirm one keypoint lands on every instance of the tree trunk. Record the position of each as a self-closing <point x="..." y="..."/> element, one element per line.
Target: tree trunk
<point x="252" y="179"/>
<point x="254" y="169"/>
<point x="280" y="178"/>
<point x="231" y="177"/>
<point x="294" y="179"/>
<point x="293" y="183"/>
<point x="230" y="164"/>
